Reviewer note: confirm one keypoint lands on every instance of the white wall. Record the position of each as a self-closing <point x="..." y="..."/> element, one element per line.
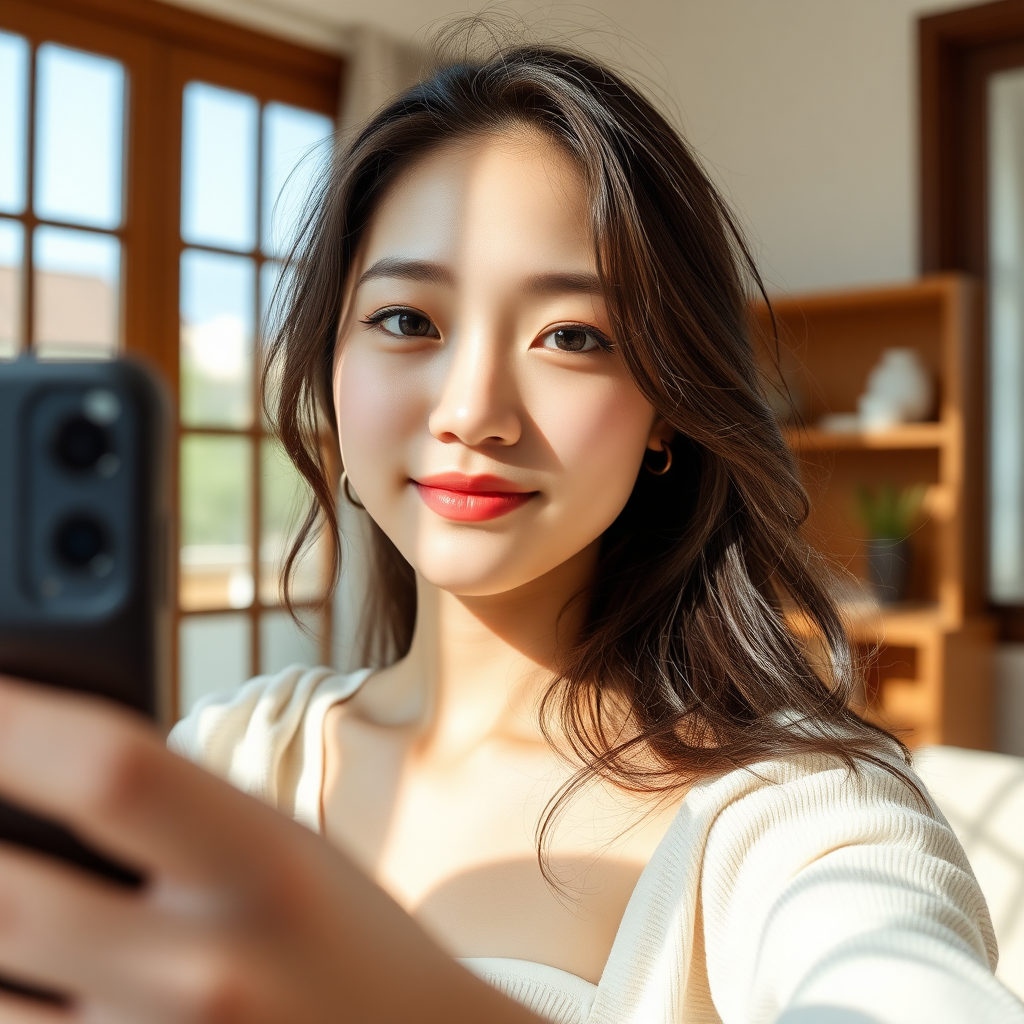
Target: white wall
<point x="807" y="111"/>
<point x="804" y="109"/>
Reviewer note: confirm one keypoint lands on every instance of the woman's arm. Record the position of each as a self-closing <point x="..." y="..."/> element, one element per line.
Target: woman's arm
<point x="838" y="897"/>
<point x="246" y="916"/>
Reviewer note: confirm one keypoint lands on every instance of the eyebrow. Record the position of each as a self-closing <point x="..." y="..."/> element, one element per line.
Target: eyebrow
<point x="560" y="282"/>
<point x="429" y="272"/>
<point x="409" y="270"/>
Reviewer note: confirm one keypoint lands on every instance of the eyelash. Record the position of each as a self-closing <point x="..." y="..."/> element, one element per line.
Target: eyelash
<point x="377" y="318"/>
<point x="603" y="343"/>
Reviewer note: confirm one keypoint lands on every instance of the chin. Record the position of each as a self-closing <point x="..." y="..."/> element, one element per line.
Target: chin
<point x="466" y="567"/>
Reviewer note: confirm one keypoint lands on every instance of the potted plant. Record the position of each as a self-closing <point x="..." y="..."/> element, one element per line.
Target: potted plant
<point x="889" y="515"/>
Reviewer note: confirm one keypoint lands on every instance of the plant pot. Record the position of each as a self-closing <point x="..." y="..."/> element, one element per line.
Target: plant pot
<point x="888" y="569"/>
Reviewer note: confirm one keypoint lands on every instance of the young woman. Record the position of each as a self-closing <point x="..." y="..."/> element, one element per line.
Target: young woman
<point x="600" y="777"/>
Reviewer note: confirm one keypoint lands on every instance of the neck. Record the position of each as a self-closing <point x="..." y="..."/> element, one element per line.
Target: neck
<point x="478" y="666"/>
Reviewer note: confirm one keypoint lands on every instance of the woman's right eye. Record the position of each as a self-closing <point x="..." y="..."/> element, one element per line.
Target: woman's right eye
<point x="404" y="323"/>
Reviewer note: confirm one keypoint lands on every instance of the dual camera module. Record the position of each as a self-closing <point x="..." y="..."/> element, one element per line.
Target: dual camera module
<point x="83" y="447"/>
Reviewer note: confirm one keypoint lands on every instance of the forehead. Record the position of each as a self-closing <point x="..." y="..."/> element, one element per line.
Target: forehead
<point x="502" y="199"/>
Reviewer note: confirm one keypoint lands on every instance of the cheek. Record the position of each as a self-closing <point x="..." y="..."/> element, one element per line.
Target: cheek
<point x="377" y="413"/>
<point x="598" y="432"/>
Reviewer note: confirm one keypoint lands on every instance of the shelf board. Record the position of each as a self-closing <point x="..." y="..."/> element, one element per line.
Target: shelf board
<point x="907" y="435"/>
<point x="907" y="623"/>
<point x="881" y="299"/>
<point x="910" y="623"/>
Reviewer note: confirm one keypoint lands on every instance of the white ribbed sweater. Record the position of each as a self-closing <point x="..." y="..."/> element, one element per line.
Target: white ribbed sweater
<point x="793" y="892"/>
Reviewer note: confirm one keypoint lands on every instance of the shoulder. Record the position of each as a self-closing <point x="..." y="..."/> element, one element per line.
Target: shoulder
<point x="812" y="869"/>
<point x="867" y="797"/>
<point x="268" y="733"/>
<point x="796" y="810"/>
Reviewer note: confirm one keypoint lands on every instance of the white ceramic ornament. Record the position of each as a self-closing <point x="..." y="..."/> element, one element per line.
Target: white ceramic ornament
<point x="899" y="390"/>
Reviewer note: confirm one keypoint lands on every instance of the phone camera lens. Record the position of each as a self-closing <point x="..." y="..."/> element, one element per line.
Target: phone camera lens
<point x="81" y="443"/>
<point x="79" y="541"/>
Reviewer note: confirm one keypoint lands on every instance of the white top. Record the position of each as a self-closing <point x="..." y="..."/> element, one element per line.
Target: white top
<point x="792" y="892"/>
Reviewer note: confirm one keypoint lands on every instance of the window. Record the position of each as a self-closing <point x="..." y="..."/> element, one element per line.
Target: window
<point x="152" y="162"/>
<point x="246" y="167"/>
<point x="1005" y="160"/>
<point x="61" y="199"/>
<point x="972" y="178"/>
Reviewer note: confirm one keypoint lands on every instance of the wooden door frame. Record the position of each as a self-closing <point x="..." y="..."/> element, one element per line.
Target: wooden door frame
<point x="958" y="51"/>
<point x="189" y="29"/>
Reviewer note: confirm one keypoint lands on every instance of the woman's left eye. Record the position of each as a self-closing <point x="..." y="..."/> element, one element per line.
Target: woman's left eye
<point x="574" y="339"/>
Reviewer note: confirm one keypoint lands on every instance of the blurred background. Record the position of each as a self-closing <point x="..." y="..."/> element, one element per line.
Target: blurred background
<point x="154" y="155"/>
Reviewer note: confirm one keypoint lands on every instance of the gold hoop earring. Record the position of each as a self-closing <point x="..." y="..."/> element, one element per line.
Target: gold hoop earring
<point x="346" y="489"/>
<point x="668" y="461"/>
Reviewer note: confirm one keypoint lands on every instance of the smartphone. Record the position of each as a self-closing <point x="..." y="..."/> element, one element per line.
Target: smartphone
<point x="84" y="549"/>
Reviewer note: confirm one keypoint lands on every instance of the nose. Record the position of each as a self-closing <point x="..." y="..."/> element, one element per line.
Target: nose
<point x="479" y="399"/>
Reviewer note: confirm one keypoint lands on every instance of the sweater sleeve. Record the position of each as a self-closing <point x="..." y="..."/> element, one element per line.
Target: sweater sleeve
<point x="838" y="898"/>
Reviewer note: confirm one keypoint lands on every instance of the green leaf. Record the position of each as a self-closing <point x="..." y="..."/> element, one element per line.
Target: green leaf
<point x="889" y="513"/>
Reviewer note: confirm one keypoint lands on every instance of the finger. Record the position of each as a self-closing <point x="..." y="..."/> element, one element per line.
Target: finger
<point x="103" y="945"/>
<point x="58" y="926"/>
<point x="107" y="775"/>
<point x="19" y="1010"/>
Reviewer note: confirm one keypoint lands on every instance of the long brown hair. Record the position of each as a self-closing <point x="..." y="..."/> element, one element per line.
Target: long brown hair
<point x="689" y="625"/>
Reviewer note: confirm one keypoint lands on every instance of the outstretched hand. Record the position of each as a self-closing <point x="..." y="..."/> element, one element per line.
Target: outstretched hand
<point x="244" y="916"/>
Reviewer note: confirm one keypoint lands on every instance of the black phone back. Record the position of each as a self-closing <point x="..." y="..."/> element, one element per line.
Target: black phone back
<point x="84" y="529"/>
<point x="84" y="570"/>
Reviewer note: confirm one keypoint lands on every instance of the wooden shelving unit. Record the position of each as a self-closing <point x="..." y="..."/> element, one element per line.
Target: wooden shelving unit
<point x="930" y="674"/>
<point x="909" y="435"/>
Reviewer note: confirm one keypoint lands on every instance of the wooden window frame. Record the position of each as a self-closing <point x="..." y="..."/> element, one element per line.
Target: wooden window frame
<point x="163" y="46"/>
<point x="958" y="51"/>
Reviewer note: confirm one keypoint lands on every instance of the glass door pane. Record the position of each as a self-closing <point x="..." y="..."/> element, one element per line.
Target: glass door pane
<point x="219" y="170"/>
<point x="1006" y="336"/>
<point x="214" y="656"/>
<point x="296" y="150"/>
<point x="79" y="137"/>
<point x="284" y="642"/>
<point x="218" y="303"/>
<point x="76" y="196"/>
<point x="77" y="293"/>
<point x="283" y="505"/>
<point x="13" y="121"/>
<point x="216" y="518"/>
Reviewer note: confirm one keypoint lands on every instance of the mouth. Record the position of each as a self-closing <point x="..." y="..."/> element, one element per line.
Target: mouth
<point x="471" y="499"/>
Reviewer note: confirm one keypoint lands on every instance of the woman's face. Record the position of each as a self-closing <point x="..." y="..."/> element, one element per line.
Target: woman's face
<point x="486" y="421"/>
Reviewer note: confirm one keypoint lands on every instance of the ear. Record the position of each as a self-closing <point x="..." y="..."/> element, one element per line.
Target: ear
<point x="661" y="434"/>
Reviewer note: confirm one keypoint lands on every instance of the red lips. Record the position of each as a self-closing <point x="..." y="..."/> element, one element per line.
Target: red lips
<point x="471" y="499"/>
